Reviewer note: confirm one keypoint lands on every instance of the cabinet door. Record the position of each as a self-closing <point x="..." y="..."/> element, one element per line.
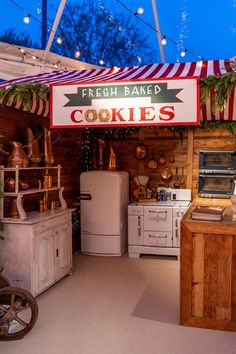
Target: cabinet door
<point x="43" y="264"/>
<point x="213" y="281"/>
<point x="135" y="230"/>
<point x="62" y="249"/>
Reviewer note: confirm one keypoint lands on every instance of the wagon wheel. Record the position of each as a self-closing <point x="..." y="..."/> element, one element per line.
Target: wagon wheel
<point x="18" y="313"/>
<point x="4" y="282"/>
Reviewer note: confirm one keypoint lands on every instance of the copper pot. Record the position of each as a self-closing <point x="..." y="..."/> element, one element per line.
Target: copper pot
<point x="10" y="184"/>
<point x="14" y="210"/>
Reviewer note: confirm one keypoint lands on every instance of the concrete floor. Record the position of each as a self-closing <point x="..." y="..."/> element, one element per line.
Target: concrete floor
<point x="117" y="305"/>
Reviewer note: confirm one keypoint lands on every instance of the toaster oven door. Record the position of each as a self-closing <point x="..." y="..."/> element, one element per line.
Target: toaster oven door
<point x="217" y="162"/>
<point x="221" y="186"/>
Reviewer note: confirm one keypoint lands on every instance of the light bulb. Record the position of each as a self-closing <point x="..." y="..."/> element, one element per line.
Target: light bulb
<point x="26" y="19"/>
<point x="33" y="57"/>
<point x="101" y="62"/>
<point x="59" y="40"/>
<point x="183" y="53"/>
<point x="77" y="54"/>
<point x="164" y="41"/>
<point x="22" y="50"/>
<point x="140" y="11"/>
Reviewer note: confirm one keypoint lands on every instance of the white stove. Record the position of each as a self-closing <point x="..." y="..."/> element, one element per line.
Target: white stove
<point x="154" y="227"/>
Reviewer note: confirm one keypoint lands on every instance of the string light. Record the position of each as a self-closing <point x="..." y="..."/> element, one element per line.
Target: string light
<point x="183" y="53"/>
<point x="59" y="40"/>
<point x="164" y="41"/>
<point x="140" y="11"/>
<point x="77" y="54"/>
<point x="26" y="19"/>
<point x="101" y="62"/>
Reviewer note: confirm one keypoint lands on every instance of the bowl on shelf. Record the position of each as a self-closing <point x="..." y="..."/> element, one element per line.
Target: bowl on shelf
<point x="24" y="184"/>
<point x="9" y="184"/>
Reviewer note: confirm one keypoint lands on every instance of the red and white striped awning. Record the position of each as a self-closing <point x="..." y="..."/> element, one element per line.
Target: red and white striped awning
<point x="151" y="71"/>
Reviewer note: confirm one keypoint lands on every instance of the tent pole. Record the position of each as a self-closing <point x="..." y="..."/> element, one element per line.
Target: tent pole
<point x="154" y="8"/>
<point x="54" y="28"/>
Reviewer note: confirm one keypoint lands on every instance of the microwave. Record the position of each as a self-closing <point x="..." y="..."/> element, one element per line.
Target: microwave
<point x="217" y="161"/>
<point x="216" y="186"/>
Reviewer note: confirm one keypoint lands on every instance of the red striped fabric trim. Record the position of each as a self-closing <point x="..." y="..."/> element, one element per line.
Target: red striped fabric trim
<point x="231" y="105"/>
<point x="192" y="69"/>
<point x="203" y="72"/>
<point x="212" y="114"/>
<point x="204" y="112"/>
<point x="167" y="71"/>
<point x="180" y="69"/>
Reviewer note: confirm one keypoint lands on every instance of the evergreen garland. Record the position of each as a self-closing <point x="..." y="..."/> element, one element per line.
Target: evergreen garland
<point x="222" y="86"/>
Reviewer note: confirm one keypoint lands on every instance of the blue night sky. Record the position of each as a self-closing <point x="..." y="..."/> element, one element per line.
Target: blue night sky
<point x="205" y="28"/>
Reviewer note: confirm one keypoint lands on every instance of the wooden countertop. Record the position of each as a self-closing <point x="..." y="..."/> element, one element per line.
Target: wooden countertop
<point x="226" y="226"/>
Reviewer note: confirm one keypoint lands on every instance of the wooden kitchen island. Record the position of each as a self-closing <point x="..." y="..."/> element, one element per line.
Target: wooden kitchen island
<point x="208" y="269"/>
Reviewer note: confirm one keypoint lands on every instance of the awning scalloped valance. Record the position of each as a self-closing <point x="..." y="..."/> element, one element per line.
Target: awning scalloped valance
<point x="151" y="71"/>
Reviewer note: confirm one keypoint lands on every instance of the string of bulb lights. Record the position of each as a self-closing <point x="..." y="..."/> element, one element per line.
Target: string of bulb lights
<point x="165" y="39"/>
<point x="59" y="39"/>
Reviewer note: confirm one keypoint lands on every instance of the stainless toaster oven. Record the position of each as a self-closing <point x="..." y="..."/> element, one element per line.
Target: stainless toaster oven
<point x="217" y="161"/>
<point x="216" y="186"/>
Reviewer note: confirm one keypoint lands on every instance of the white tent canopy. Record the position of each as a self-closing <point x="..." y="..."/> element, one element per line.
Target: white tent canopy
<point x="17" y="61"/>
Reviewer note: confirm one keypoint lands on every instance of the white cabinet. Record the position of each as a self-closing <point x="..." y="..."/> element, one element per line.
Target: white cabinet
<point x="37" y="252"/>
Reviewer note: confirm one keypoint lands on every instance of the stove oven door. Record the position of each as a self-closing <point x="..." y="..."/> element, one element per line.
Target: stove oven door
<point x="157" y="226"/>
<point x="157" y="218"/>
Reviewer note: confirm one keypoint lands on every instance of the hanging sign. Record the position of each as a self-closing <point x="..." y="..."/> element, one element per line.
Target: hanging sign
<point x="125" y="103"/>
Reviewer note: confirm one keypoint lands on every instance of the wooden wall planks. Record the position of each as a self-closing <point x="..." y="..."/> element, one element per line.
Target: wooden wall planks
<point x="159" y="142"/>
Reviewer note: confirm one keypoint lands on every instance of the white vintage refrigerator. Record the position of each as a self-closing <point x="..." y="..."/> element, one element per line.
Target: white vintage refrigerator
<point x="104" y="198"/>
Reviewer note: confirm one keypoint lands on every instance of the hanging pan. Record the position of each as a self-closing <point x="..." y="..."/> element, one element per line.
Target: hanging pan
<point x="166" y="174"/>
<point x="140" y="151"/>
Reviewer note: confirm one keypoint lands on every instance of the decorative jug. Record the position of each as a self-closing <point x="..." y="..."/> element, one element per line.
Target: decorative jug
<point x="17" y="157"/>
<point x="48" y="152"/>
<point x="112" y="165"/>
<point x="101" y="147"/>
<point x="32" y="143"/>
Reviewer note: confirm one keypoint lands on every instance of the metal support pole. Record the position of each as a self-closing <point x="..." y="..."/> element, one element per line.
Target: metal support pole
<point x="54" y="28"/>
<point x="154" y="8"/>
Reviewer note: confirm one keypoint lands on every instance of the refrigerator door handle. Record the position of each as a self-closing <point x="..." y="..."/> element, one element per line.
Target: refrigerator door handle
<point x="85" y="196"/>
